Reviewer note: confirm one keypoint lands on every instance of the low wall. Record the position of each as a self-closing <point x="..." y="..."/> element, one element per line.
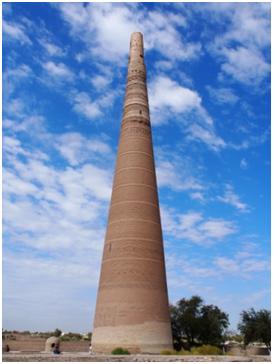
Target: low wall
<point x="38" y="344"/>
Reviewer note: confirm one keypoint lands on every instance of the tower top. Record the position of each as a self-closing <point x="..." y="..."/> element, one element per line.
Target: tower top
<point x="136" y="48"/>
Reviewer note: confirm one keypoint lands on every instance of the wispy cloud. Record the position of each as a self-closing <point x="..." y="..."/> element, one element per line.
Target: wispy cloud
<point x="242" y="267"/>
<point x="194" y="227"/>
<point x="232" y="199"/>
<point x="58" y="70"/>
<point x="52" y="49"/>
<point x="222" y="95"/>
<point x="77" y="149"/>
<point x="169" y="100"/>
<point x="241" y="46"/>
<point x="112" y="24"/>
<point x="16" y="31"/>
<point x="168" y="176"/>
<point x="243" y="163"/>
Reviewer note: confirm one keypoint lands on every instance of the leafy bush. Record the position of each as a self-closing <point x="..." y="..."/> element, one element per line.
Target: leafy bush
<point x="120" y="351"/>
<point x="11" y="337"/>
<point x="184" y="352"/>
<point x="175" y="352"/>
<point x="57" y="333"/>
<point x="71" y="337"/>
<point x="206" y="350"/>
<point x="168" y="352"/>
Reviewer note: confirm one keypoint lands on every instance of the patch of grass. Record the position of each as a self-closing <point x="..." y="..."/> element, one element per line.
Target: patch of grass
<point x="206" y="350"/>
<point x="184" y="352"/>
<point x="168" y="352"/>
<point x="120" y="351"/>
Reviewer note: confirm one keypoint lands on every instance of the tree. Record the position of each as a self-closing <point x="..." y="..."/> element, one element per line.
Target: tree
<point x="213" y="322"/>
<point x="256" y="326"/>
<point x="231" y="335"/>
<point x="189" y="317"/>
<point x="176" y="330"/>
<point x="57" y="332"/>
<point x="197" y="323"/>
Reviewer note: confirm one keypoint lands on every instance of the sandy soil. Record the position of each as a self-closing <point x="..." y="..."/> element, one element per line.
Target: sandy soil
<point x="83" y="357"/>
<point x="28" y="348"/>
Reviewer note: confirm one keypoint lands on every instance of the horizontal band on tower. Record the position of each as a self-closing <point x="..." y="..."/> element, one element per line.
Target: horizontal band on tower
<point x="137" y="118"/>
<point x="135" y="151"/>
<point x="134" y="219"/>
<point x="132" y="238"/>
<point x="134" y="184"/>
<point x="132" y="258"/>
<point x="144" y="169"/>
<point x="136" y="132"/>
<point x="134" y="201"/>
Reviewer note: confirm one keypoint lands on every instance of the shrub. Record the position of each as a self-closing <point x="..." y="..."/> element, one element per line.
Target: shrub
<point x="57" y="333"/>
<point x="206" y="350"/>
<point x="168" y="352"/>
<point x="120" y="351"/>
<point x="184" y="352"/>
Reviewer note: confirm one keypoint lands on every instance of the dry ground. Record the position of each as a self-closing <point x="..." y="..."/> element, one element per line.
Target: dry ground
<point x="84" y="357"/>
<point x="27" y="348"/>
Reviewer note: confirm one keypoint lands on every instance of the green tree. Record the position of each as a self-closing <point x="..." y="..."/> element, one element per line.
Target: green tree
<point x="176" y="329"/>
<point x="197" y="323"/>
<point x="256" y="326"/>
<point x="213" y="323"/>
<point x="57" y="332"/>
<point x="189" y="318"/>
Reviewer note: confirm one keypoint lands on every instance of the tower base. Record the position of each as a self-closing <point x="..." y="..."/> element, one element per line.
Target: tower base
<point x="149" y="337"/>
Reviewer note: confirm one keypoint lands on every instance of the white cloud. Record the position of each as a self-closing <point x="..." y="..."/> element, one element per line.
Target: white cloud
<point x="199" y="196"/>
<point x="241" y="267"/>
<point x="109" y="27"/>
<point x="217" y="228"/>
<point x="175" y="172"/>
<point x="15" y="31"/>
<point x="100" y="81"/>
<point x="54" y="198"/>
<point x="13" y="77"/>
<point x="76" y="149"/>
<point x="83" y="105"/>
<point x="166" y="93"/>
<point x="51" y="214"/>
<point x="16" y="107"/>
<point x="232" y="199"/>
<point x="58" y="70"/>
<point x="193" y="226"/>
<point x="188" y="220"/>
<point x="169" y="174"/>
<point x="207" y="136"/>
<point x="245" y="65"/>
<point x="243" y="163"/>
<point x="169" y="100"/>
<point x="52" y="49"/>
<point x="222" y="95"/>
<point x="241" y="46"/>
<point x="91" y="109"/>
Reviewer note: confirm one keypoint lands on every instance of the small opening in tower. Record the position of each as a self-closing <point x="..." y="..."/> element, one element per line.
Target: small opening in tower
<point x="140" y="112"/>
<point x="141" y="55"/>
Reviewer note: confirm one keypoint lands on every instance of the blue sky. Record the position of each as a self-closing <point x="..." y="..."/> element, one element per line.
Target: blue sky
<point x="64" y="74"/>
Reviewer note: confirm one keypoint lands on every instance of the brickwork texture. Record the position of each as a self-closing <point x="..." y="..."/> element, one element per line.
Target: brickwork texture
<point x="132" y="301"/>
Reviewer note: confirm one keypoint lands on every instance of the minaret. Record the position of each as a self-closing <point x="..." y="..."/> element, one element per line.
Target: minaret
<point x="132" y="303"/>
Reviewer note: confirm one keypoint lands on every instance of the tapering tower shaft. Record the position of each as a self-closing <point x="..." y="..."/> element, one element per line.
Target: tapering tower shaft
<point x="132" y="303"/>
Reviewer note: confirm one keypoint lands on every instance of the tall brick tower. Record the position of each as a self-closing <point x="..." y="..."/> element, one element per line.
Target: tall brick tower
<point x="132" y="302"/>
